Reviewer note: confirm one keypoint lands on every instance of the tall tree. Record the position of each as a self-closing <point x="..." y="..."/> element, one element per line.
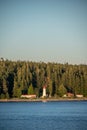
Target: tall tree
<point x="62" y="90"/>
<point x="30" y="89"/>
<point x="5" y="89"/>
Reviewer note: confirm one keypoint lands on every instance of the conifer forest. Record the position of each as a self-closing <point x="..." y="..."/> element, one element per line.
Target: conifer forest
<point x="25" y="77"/>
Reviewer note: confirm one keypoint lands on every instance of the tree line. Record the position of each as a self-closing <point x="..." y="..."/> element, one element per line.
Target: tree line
<point x="24" y="77"/>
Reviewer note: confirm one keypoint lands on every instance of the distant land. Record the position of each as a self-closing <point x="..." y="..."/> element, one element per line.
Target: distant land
<point x="26" y="78"/>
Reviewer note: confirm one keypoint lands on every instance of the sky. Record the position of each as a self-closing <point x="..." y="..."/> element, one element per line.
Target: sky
<point x="44" y="30"/>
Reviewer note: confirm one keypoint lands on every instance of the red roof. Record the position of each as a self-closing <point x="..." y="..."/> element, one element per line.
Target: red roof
<point x="44" y="86"/>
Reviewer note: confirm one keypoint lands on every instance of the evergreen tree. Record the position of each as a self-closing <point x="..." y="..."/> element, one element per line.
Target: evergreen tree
<point x="62" y="90"/>
<point x="30" y="89"/>
<point x="5" y="89"/>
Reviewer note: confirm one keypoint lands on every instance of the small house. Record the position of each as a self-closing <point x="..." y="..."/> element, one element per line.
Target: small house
<point x="79" y="96"/>
<point x="28" y="96"/>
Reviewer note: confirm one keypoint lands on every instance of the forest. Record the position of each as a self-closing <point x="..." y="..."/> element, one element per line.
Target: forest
<point x="26" y="77"/>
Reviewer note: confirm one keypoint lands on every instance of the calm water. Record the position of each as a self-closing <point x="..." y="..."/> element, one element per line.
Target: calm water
<point x="62" y="115"/>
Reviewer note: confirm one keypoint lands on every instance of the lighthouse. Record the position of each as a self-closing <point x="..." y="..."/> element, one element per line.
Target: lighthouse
<point x="44" y="91"/>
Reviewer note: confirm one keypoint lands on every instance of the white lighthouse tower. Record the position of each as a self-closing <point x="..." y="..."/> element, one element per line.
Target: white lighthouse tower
<point x="44" y="91"/>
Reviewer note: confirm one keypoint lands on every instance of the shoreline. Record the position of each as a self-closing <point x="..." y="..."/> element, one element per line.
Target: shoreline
<point x="42" y="100"/>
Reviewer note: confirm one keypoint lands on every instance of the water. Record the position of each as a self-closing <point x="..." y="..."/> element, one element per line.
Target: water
<point x="62" y="115"/>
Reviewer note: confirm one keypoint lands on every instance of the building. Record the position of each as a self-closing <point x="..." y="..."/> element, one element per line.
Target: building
<point x="69" y="95"/>
<point x="79" y="96"/>
<point x="28" y="96"/>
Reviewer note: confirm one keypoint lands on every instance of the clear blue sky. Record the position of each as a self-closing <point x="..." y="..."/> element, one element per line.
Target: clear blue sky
<point x="44" y="30"/>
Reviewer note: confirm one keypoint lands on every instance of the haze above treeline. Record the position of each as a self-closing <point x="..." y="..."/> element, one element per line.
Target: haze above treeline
<point x="41" y="61"/>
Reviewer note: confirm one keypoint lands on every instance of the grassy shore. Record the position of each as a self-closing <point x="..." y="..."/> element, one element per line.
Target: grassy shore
<point x="41" y="100"/>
